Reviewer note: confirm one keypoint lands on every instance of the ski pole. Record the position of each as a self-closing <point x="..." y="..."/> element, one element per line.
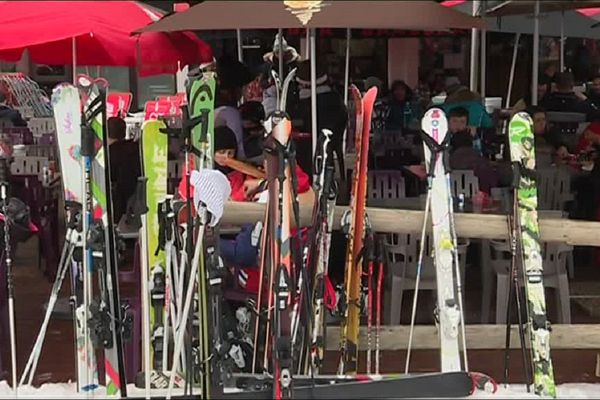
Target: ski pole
<point x="378" y="305"/>
<point x="186" y="308"/>
<point x="63" y="267"/>
<point x="4" y="171"/>
<point x="418" y="278"/>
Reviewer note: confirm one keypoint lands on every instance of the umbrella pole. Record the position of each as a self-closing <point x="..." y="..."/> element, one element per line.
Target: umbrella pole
<point x="74" y="53"/>
<point x="346" y="85"/>
<point x="347" y="66"/>
<point x="307" y="43"/>
<point x="483" y="55"/>
<point x="313" y="89"/>
<point x="473" y="76"/>
<point x="536" y="54"/>
<point x="240" y="50"/>
<point x="562" y="41"/>
<point x="512" y="69"/>
<point x="280" y="55"/>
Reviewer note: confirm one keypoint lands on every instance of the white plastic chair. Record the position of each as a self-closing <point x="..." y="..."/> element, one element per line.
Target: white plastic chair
<point x="385" y="186"/>
<point x="546" y="180"/>
<point x="464" y="181"/>
<point x="402" y="252"/>
<point x="554" y="257"/>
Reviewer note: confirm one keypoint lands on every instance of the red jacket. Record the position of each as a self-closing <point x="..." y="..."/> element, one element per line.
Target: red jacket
<point x="237" y="179"/>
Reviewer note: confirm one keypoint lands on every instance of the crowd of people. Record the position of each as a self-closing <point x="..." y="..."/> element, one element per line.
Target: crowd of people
<point x="245" y="98"/>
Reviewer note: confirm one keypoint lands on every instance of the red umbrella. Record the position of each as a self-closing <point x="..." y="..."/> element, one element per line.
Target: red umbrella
<point x="95" y="33"/>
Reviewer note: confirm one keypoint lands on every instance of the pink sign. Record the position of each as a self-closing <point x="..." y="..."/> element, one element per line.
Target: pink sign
<point x="118" y="104"/>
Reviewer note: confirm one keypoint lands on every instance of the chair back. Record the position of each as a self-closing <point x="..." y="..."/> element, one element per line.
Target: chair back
<point x="384" y="185"/>
<point x="464" y="181"/>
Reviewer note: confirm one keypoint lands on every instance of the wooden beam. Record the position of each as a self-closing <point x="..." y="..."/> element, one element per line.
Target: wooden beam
<point x="468" y="225"/>
<point x="479" y="337"/>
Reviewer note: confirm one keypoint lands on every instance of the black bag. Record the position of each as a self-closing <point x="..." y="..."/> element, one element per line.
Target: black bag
<point x="19" y="220"/>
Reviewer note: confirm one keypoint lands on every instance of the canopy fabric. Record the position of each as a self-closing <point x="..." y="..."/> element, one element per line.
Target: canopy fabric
<point x="102" y="32"/>
<point x="577" y="24"/>
<point x="414" y="15"/>
<point x="527" y="6"/>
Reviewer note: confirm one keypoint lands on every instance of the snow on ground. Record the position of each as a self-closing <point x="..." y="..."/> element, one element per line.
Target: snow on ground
<point x="68" y="390"/>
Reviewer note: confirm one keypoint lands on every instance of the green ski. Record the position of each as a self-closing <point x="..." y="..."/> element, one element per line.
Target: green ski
<point x="153" y="149"/>
<point x="522" y="151"/>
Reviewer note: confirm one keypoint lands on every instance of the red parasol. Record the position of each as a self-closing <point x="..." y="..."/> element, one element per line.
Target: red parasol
<point x="95" y="33"/>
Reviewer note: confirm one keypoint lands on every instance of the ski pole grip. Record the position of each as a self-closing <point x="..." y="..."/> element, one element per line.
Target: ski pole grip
<point x="88" y="145"/>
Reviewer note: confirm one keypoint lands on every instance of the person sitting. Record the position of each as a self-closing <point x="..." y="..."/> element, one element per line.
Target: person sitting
<point x="549" y="146"/>
<point x="593" y="92"/>
<point x="544" y="88"/>
<point x="458" y="122"/>
<point x="241" y="252"/>
<point x="9" y="113"/>
<point x="125" y="167"/>
<point x="459" y="95"/>
<point x="463" y="156"/>
<point x="233" y="75"/>
<point x="253" y="117"/>
<point x="331" y="114"/>
<point x="565" y="99"/>
<point x="400" y="112"/>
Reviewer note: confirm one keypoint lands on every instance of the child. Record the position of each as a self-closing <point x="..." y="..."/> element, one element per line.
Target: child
<point x="242" y="251"/>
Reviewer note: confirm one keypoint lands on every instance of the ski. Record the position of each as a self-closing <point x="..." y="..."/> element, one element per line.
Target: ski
<point x="67" y="114"/>
<point x="153" y="149"/>
<point x="322" y="222"/>
<point x="355" y="226"/>
<point x="105" y="320"/>
<point x="449" y="294"/>
<point x="522" y="153"/>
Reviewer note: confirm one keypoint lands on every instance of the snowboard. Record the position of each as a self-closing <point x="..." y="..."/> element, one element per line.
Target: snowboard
<point x="154" y="154"/>
<point x="66" y="104"/>
<point x="355" y="228"/>
<point x="435" y="146"/>
<point x="105" y="320"/>
<point x="522" y="154"/>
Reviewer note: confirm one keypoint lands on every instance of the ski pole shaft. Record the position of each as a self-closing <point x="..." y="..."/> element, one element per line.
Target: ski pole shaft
<point x="9" y="274"/>
<point x="378" y="321"/>
<point x="418" y="279"/>
<point x="186" y="311"/>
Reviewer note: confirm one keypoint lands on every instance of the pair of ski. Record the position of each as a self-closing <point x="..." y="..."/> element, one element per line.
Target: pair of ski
<point x="80" y="114"/>
<point x="524" y="234"/>
<point x="185" y="228"/>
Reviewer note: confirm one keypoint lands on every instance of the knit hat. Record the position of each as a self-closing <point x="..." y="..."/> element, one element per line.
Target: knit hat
<point x="289" y="53"/>
<point x="224" y="138"/>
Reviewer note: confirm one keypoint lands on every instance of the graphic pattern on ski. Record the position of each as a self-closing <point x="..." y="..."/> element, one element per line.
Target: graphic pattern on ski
<point x="67" y="114"/>
<point x="435" y="125"/>
<point x="522" y="152"/>
<point x="94" y="115"/>
<point x="154" y="163"/>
